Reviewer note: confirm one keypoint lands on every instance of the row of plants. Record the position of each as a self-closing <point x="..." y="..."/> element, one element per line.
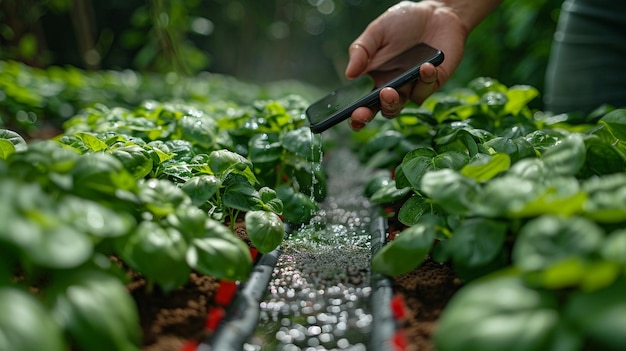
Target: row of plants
<point x="529" y="207"/>
<point x="156" y="187"/>
<point x="34" y="98"/>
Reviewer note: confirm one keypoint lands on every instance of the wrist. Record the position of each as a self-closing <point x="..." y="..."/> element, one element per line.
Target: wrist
<point x="469" y="12"/>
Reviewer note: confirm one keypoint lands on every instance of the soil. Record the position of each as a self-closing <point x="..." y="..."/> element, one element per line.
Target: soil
<point x="425" y="291"/>
<point x="169" y="321"/>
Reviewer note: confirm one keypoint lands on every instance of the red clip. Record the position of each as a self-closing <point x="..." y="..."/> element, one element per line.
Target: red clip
<point x="225" y="292"/>
<point x="398" y="308"/>
<point x="213" y="318"/>
<point x="189" y="346"/>
<point x="400" y="341"/>
<point x="254" y="252"/>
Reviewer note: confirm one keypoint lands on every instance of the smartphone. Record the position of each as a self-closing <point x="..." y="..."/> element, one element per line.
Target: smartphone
<point x="364" y="90"/>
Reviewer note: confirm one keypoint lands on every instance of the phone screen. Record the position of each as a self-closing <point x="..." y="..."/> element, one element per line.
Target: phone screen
<point x="363" y="91"/>
<point x="340" y="99"/>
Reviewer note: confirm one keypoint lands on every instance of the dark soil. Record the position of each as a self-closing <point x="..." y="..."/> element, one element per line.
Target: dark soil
<point x="169" y="321"/>
<point x="426" y="291"/>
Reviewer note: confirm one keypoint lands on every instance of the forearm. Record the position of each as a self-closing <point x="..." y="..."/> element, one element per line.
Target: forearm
<point x="471" y="12"/>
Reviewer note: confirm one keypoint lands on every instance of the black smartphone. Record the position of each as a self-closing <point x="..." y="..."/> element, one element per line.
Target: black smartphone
<point x="364" y="90"/>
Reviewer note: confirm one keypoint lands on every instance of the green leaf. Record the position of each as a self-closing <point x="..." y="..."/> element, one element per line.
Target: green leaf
<point x="606" y="201"/>
<point x="518" y="98"/>
<point x="297" y="207"/>
<point x="548" y="239"/>
<point x="533" y="169"/>
<point x="96" y="311"/>
<point x="559" y="196"/>
<point x="309" y="177"/>
<point x="201" y="188"/>
<point x="375" y="182"/>
<point x="263" y="148"/>
<point x="43" y="158"/>
<point x="270" y="200"/>
<point x="476" y="242"/>
<point x="161" y="196"/>
<point x="265" y="229"/>
<point x="494" y="101"/>
<point x="615" y="121"/>
<point x="485" y="167"/>
<point x="201" y="130"/>
<point x="577" y="272"/>
<point x="495" y="314"/>
<point x="516" y="148"/>
<point x="567" y="157"/>
<point x="599" y="316"/>
<point x="450" y="159"/>
<point x="189" y="220"/>
<point x="413" y="209"/>
<point x="222" y="257"/>
<point x="405" y="252"/>
<point x="178" y="170"/>
<point x="416" y="163"/>
<point x="450" y="190"/>
<point x="33" y="229"/>
<point x="73" y="142"/>
<point x="242" y="196"/>
<point x="6" y="149"/>
<point x="300" y="143"/>
<point x="614" y="247"/>
<point x="59" y="246"/>
<point x="14" y="138"/>
<point x="544" y="139"/>
<point x="223" y="162"/>
<point x="389" y="193"/>
<point x="161" y="150"/>
<point x="135" y="159"/>
<point x="483" y="85"/>
<point x="94" y="219"/>
<point x="602" y="158"/>
<point x="157" y="253"/>
<point x="26" y="324"/>
<point x="91" y="141"/>
<point x="181" y="148"/>
<point x="100" y="174"/>
<point x="385" y="140"/>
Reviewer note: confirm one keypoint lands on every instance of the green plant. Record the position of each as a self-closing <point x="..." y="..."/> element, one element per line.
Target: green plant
<point x="523" y="204"/>
<point x="154" y="187"/>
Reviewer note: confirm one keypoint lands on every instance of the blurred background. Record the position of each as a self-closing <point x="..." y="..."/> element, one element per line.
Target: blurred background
<point x="252" y="40"/>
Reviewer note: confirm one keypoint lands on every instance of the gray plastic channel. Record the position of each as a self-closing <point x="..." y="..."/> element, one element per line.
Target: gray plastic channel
<point x="243" y="313"/>
<point x="383" y="322"/>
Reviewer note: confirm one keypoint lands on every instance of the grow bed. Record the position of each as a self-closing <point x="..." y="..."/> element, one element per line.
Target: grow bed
<point x="403" y="310"/>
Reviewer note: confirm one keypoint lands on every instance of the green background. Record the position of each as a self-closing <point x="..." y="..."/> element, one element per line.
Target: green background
<point x="255" y="41"/>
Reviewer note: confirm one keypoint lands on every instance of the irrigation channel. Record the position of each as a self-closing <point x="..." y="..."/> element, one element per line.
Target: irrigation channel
<point x="317" y="291"/>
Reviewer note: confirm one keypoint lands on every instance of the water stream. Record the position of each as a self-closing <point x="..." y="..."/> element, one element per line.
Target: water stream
<point x="318" y="297"/>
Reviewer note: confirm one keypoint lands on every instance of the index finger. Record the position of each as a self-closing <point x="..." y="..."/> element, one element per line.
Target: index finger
<point x="358" y="61"/>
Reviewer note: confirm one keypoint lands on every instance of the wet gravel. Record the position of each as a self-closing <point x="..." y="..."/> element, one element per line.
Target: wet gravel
<point x="318" y="296"/>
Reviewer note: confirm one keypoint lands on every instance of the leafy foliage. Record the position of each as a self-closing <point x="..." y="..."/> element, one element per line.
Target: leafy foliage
<point x="527" y="199"/>
<point x="156" y="186"/>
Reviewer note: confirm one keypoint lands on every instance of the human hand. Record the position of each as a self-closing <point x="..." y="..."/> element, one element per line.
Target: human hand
<point x="397" y="29"/>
